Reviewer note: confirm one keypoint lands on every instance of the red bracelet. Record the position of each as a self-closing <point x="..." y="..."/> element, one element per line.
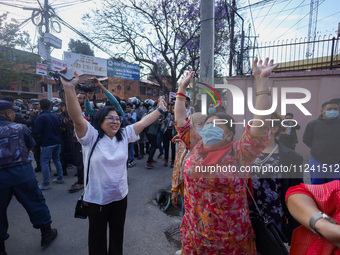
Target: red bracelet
<point x="180" y="94"/>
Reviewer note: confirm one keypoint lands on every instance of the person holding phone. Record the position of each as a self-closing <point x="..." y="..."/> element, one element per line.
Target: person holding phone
<point x="113" y="101"/>
<point x="107" y="189"/>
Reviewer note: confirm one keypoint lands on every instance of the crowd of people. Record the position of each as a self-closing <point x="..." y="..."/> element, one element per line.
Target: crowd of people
<point x="102" y="140"/>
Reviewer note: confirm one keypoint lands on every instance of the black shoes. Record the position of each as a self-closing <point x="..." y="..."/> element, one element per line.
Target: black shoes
<point x="48" y="235"/>
<point x="160" y="155"/>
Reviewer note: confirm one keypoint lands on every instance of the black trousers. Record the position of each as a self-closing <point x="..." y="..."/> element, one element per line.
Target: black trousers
<point x="99" y="216"/>
<point x="153" y="142"/>
<point x="79" y="162"/>
<point x="167" y="140"/>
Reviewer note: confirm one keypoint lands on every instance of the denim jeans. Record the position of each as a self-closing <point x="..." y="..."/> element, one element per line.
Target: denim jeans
<point x="131" y="152"/>
<point x="47" y="153"/>
<point x="160" y="137"/>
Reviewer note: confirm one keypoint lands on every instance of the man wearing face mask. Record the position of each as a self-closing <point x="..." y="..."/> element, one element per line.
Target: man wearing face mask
<point x="323" y="137"/>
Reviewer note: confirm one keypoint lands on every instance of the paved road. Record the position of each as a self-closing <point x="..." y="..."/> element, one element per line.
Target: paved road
<point x="145" y="225"/>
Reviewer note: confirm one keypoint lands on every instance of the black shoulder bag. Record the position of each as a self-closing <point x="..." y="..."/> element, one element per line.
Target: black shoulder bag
<point x="81" y="206"/>
<point x="269" y="238"/>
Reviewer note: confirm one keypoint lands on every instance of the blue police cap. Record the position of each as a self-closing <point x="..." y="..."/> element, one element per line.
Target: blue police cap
<point x="5" y="105"/>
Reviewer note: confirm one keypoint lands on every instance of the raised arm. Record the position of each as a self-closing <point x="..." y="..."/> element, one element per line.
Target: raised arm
<point x="302" y="207"/>
<point x="73" y="107"/>
<point x="88" y="108"/>
<point x="150" y="118"/>
<point x="114" y="102"/>
<point x="180" y="110"/>
<point x="261" y="74"/>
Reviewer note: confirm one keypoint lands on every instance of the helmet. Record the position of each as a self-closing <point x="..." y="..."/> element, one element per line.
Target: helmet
<point x="18" y="102"/>
<point x="56" y="101"/>
<point x="123" y="105"/>
<point x="34" y="101"/>
<point x="136" y="102"/>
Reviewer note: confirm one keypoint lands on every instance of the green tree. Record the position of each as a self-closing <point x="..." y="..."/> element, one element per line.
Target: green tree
<point x="16" y="67"/>
<point x="80" y="47"/>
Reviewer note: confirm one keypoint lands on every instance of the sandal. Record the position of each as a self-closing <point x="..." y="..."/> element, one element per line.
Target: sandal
<point x="74" y="188"/>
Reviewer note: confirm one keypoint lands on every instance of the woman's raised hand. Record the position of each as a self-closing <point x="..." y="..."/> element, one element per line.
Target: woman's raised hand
<point x="162" y="103"/>
<point x="263" y="70"/>
<point x="71" y="83"/>
<point x="184" y="81"/>
<point x="96" y="81"/>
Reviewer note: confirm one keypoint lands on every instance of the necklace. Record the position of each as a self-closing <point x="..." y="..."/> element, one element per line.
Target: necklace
<point x="261" y="162"/>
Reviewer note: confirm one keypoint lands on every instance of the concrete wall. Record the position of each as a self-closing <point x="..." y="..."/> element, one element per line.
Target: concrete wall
<point x="323" y="86"/>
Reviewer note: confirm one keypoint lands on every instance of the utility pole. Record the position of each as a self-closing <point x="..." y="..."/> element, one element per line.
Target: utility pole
<point x="207" y="45"/>
<point x="313" y="18"/>
<point x="239" y="69"/>
<point x="232" y="26"/>
<point x="48" y="49"/>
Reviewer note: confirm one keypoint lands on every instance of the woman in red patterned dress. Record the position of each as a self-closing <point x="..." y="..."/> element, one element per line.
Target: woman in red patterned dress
<point x="216" y="219"/>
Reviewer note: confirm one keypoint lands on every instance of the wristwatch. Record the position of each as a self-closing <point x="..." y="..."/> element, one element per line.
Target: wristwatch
<point x="317" y="216"/>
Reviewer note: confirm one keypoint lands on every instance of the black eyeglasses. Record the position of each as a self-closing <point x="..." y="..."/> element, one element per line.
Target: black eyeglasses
<point x="111" y="118"/>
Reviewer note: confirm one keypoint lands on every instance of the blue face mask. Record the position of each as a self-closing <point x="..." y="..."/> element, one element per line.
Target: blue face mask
<point x="55" y="109"/>
<point x="211" y="110"/>
<point x="133" y="106"/>
<point x="211" y="135"/>
<point x="149" y="107"/>
<point x="331" y="114"/>
<point x="199" y="129"/>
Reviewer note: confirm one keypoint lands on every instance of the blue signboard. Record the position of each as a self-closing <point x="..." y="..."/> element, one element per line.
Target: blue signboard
<point x="123" y="70"/>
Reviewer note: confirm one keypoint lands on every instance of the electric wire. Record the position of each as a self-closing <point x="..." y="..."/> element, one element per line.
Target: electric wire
<point x="299" y="21"/>
<point x="316" y="21"/>
<point x="266" y="14"/>
<point x="286" y="18"/>
<point x="251" y="14"/>
<point x="273" y="13"/>
<point x="259" y="12"/>
<point x="277" y="15"/>
<point x="81" y="34"/>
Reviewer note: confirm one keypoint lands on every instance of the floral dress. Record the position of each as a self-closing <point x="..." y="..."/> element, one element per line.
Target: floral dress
<point x="268" y="191"/>
<point x="216" y="219"/>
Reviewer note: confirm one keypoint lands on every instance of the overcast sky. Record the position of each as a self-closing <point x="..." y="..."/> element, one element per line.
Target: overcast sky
<point x="280" y="19"/>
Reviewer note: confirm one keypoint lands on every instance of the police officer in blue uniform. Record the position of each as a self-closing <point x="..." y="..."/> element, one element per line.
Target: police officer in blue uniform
<point x="17" y="177"/>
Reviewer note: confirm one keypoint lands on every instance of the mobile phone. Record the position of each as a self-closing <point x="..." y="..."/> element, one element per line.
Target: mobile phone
<point x="69" y="74"/>
<point x="89" y="82"/>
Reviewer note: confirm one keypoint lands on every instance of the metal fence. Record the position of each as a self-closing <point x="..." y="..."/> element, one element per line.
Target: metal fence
<point x="322" y="53"/>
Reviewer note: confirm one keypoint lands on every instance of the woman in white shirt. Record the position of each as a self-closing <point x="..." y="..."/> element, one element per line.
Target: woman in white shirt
<point x="107" y="188"/>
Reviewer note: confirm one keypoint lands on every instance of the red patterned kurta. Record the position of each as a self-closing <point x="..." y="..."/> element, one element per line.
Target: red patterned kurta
<point x="216" y="219"/>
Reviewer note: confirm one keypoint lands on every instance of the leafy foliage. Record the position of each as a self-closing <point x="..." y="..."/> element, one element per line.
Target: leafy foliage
<point x="159" y="34"/>
<point x="16" y="67"/>
<point x="80" y="47"/>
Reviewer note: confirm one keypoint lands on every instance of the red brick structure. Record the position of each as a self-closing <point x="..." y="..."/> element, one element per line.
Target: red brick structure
<point x="126" y="89"/>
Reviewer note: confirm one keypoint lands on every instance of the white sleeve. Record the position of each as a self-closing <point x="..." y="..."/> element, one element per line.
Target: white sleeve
<point x="90" y="136"/>
<point x="131" y="134"/>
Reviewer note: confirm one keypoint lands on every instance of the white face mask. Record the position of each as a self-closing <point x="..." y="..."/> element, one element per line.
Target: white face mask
<point x="55" y="109"/>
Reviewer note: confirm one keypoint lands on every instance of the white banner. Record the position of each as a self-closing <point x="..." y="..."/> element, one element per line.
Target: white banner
<point x="41" y="69"/>
<point x="57" y="64"/>
<point x="42" y="50"/>
<point x="86" y="64"/>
